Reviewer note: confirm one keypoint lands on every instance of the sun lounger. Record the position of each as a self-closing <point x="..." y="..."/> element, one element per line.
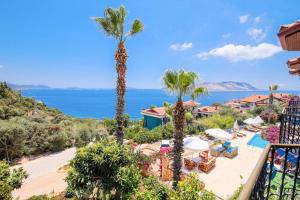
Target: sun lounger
<point x="231" y="152"/>
<point x="207" y="162"/>
<point x="216" y="151"/>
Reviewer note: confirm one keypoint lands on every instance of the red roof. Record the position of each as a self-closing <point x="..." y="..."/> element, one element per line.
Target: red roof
<point x="157" y="111"/>
<point x="191" y="103"/>
<point x="208" y="109"/>
<point x="255" y="98"/>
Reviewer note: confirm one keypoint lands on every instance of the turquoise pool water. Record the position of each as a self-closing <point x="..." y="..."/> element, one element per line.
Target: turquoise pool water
<point x="257" y="141"/>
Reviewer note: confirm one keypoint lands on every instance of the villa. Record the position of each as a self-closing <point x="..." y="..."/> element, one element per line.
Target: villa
<point x="205" y="111"/>
<point x="255" y="100"/>
<point x="154" y="117"/>
<point x="262" y="100"/>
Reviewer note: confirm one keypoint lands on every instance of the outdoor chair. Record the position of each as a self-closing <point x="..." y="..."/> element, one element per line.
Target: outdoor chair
<point x="231" y="152"/>
<point x="226" y="144"/>
<point x="189" y="164"/>
<point x="217" y="150"/>
<point x="207" y="162"/>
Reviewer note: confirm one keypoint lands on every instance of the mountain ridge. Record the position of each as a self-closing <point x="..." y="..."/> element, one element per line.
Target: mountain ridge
<point x="211" y="86"/>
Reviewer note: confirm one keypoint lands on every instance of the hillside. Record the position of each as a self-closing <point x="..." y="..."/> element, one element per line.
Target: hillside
<point x="29" y="127"/>
<point x="24" y="87"/>
<point x="229" y="86"/>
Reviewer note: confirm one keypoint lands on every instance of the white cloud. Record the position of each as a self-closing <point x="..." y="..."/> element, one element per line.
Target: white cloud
<point x="256" y="34"/>
<point x="244" y="18"/>
<point x="226" y="35"/>
<point x="181" y="47"/>
<point x="257" y="19"/>
<point x="242" y="52"/>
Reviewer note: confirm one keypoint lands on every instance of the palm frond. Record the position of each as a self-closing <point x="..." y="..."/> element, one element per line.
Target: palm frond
<point x="198" y="92"/>
<point x="137" y="27"/>
<point x="105" y="25"/>
<point x="170" y="81"/>
<point x="180" y="83"/>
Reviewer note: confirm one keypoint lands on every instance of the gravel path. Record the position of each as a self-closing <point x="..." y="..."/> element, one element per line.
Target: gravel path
<point x="44" y="177"/>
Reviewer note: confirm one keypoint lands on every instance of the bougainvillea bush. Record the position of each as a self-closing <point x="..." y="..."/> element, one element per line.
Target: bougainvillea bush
<point x="272" y="134"/>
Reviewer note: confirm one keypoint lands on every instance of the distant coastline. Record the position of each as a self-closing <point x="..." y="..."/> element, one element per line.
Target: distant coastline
<point x="100" y="103"/>
<point x="211" y="86"/>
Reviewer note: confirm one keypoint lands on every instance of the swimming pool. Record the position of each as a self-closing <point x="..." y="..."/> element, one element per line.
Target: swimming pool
<point x="257" y="141"/>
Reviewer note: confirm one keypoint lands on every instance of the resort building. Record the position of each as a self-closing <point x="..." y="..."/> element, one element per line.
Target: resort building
<point x="205" y="111"/>
<point x="154" y="117"/>
<point x="191" y="106"/>
<point x="255" y="100"/>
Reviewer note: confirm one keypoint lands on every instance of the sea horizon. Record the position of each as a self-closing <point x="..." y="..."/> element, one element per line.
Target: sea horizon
<point x="100" y="103"/>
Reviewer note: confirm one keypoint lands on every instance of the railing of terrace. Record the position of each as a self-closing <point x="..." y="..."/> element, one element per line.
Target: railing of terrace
<point x="295" y="101"/>
<point x="276" y="175"/>
<point x="290" y="129"/>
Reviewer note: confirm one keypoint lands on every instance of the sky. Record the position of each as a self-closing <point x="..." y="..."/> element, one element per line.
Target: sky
<point x="56" y="43"/>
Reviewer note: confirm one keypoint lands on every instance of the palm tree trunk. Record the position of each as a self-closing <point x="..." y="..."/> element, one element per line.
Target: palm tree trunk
<point x="178" y="142"/>
<point x="270" y="107"/>
<point x="121" y="58"/>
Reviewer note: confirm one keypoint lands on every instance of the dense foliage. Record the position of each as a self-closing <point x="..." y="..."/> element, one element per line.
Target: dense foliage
<point x="102" y="168"/>
<point x="9" y="180"/>
<point x="217" y="121"/>
<point x="139" y="134"/>
<point x="29" y="127"/>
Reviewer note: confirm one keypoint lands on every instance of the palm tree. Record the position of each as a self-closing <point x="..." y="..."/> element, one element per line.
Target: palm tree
<point x="113" y="25"/>
<point x="272" y="88"/>
<point x="179" y="83"/>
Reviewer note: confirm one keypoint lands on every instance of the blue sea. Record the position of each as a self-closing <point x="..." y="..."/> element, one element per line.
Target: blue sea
<point x="100" y="103"/>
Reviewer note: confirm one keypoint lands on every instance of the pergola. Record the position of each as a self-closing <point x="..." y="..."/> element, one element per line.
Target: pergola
<point x="289" y="36"/>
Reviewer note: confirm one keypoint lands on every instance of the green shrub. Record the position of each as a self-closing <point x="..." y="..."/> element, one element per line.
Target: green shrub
<point x="190" y="130"/>
<point x="9" y="180"/>
<point x="5" y="191"/>
<point x="237" y="193"/>
<point x="218" y="121"/>
<point x="40" y="197"/>
<point x="160" y="190"/>
<point x="147" y="136"/>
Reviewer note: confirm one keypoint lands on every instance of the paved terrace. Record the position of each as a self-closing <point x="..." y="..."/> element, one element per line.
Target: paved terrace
<point x="44" y="177"/>
<point x="225" y="178"/>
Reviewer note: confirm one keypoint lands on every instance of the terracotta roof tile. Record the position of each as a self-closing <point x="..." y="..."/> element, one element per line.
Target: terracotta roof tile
<point x="255" y="98"/>
<point x="157" y="111"/>
<point x="208" y="109"/>
<point x="191" y="103"/>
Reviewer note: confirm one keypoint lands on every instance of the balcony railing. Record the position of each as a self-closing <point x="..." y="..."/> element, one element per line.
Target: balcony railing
<point x="276" y="175"/>
<point x="290" y="129"/>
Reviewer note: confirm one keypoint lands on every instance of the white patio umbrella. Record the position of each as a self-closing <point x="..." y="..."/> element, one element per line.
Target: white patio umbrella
<point x="250" y="121"/>
<point x="218" y="133"/>
<point x="258" y="120"/>
<point x="236" y="126"/>
<point x="195" y="143"/>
